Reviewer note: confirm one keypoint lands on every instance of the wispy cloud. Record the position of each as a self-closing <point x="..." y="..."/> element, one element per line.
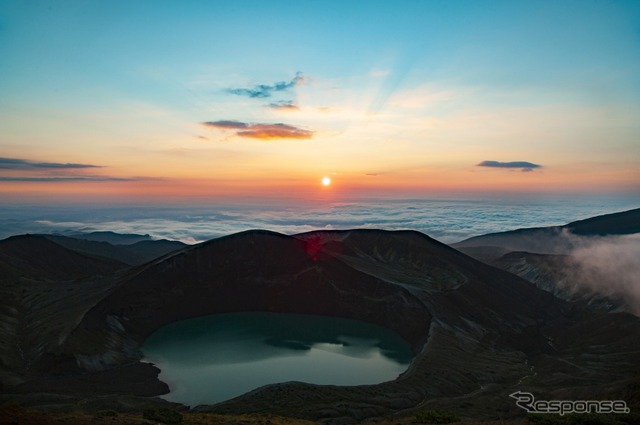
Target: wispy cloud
<point x="23" y="164"/>
<point x="284" y="105"/>
<point x="64" y="179"/>
<point x="261" y="131"/>
<point x="266" y="90"/>
<point x="24" y="170"/>
<point x="523" y="165"/>
<point x="226" y="124"/>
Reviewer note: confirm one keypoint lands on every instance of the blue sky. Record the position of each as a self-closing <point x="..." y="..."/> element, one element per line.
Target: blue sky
<point x="50" y="45"/>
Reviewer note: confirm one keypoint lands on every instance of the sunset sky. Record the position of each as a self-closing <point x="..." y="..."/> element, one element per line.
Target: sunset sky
<point x="165" y="100"/>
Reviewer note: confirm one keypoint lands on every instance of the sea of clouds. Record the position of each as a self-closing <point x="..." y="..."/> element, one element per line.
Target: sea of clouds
<point x="448" y="221"/>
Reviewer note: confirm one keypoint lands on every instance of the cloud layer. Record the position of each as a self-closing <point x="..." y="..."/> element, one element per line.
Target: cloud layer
<point x="447" y="221"/>
<point x="261" y="131"/>
<point x="265" y="90"/>
<point x="23" y="164"/>
<point x="523" y="165"/>
<point x="66" y="179"/>
<point x="24" y="170"/>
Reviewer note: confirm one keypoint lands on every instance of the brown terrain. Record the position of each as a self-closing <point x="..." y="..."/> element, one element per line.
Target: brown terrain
<point x="73" y="322"/>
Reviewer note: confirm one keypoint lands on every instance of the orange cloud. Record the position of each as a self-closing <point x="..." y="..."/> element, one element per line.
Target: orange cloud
<point x="261" y="131"/>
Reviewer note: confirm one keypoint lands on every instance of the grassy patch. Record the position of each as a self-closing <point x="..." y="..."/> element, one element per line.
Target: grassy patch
<point x="436" y="417"/>
<point x="163" y="415"/>
<point x="106" y="414"/>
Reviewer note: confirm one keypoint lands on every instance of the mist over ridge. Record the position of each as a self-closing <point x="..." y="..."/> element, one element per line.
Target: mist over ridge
<point x="594" y="261"/>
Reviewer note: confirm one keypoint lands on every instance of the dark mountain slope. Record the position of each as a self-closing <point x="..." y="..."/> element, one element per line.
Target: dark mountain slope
<point x="405" y="281"/>
<point x="151" y="250"/>
<point x="622" y="223"/>
<point x="557" y="274"/>
<point x="45" y="289"/>
<point x="36" y="257"/>
<point x="478" y="333"/>
<point x="112" y="237"/>
<point x="97" y="249"/>
<point x="552" y="240"/>
<point x="421" y="264"/>
<point x="254" y="271"/>
<point x="132" y="254"/>
<point x="547" y="257"/>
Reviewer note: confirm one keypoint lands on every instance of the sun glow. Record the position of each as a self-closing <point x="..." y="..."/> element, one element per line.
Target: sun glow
<point x="326" y="181"/>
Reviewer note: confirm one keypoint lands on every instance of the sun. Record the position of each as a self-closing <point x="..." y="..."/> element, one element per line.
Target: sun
<point x="326" y="181"/>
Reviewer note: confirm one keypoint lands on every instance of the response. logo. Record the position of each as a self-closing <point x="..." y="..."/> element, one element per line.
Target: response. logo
<point x="528" y="402"/>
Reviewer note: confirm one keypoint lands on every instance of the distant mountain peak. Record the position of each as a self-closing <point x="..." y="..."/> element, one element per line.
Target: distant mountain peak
<point x="112" y="237"/>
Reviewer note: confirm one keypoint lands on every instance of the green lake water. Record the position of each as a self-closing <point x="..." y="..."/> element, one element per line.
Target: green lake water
<point x="209" y="359"/>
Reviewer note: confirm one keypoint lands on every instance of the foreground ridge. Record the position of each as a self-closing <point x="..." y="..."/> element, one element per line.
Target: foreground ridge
<point x="478" y="333"/>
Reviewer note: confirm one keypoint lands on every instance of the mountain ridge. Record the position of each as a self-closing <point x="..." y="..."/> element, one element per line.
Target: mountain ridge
<point x="35" y="256"/>
<point x="476" y="330"/>
<point x="132" y="254"/>
<point x="572" y="261"/>
<point x="551" y="240"/>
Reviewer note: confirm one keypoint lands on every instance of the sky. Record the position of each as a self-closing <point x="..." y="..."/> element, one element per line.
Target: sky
<point x="166" y="101"/>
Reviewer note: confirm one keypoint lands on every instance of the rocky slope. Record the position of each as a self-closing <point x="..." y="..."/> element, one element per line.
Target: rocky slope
<point x="551" y="240"/>
<point x="555" y="274"/>
<point x="133" y="254"/>
<point x="590" y="261"/>
<point x="35" y="257"/>
<point x="478" y="333"/>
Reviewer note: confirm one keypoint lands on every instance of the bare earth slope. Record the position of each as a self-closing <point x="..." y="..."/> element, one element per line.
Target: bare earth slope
<point x="545" y="257"/>
<point x="35" y="257"/>
<point x="132" y="254"/>
<point x="550" y="240"/>
<point x="479" y="333"/>
<point x="556" y="274"/>
<point x="45" y="289"/>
